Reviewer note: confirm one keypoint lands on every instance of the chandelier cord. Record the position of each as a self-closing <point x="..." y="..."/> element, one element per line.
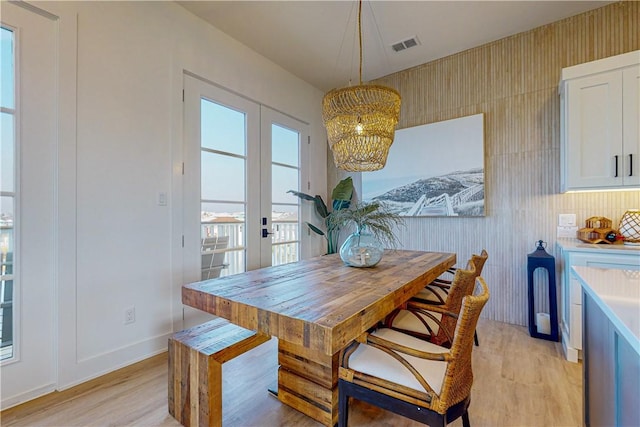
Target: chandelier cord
<point x="360" y="35"/>
<point x="360" y="120"/>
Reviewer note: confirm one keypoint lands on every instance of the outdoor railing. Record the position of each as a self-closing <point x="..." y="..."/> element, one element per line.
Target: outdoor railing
<point x="6" y="305"/>
<point x="285" y="243"/>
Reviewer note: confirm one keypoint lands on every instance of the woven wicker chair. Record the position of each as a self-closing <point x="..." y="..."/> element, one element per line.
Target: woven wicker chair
<point x="436" y="291"/>
<point x="435" y="323"/>
<point x="411" y="377"/>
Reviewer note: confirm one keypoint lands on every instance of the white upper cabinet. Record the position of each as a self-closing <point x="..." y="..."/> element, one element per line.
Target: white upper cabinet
<point x="631" y="123"/>
<point x="600" y="125"/>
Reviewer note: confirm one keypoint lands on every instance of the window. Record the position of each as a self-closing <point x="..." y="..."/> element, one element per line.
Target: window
<point x="223" y="195"/>
<point x="285" y="175"/>
<point x="8" y="178"/>
<point x="240" y="160"/>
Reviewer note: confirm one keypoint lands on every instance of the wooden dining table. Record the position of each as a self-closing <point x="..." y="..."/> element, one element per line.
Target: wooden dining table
<point x="315" y="308"/>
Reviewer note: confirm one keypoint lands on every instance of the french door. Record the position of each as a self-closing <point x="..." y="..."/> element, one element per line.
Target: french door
<point x="240" y="159"/>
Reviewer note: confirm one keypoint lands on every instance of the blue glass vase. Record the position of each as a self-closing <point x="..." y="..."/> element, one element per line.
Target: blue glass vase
<point x="361" y="249"/>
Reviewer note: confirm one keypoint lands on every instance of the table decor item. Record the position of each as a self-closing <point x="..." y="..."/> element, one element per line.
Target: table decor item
<point x="630" y="227"/>
<point x="596" y="231"/>
<point x="361" y="249"/>
<point x="374" y="224"/>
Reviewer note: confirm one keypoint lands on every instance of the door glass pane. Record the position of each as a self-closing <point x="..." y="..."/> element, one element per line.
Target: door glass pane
<point x="285" y="176"/>
<point x="7" y="251"/>
<point x="223" y="190"/>
<point x="7" y="186"/>
<point x="285" y="238"/>
<point x="222" y="128"/>
<point x="222" y="177"/>
<point x="284" y="179"/>
<point x="7" y="158"/>
<point x="287" y="146"/>
<point x="7" y="74"/>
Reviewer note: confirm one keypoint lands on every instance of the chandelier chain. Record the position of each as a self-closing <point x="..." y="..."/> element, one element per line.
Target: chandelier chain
<point x="360" y="121"/>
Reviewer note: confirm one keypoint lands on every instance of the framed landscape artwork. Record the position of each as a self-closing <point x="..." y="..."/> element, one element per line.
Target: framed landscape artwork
<point x="433" y="170"/>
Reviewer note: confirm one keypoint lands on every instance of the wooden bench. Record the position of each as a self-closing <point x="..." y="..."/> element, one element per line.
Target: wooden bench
<point x="196" y="356"/>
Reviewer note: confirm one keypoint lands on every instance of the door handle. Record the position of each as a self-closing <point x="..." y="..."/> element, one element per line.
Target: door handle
<point x="630" y="164"/>
<point x="265" y="232"/>
<point x="616" y="170"/>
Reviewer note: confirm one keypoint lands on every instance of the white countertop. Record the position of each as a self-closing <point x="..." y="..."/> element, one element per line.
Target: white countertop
<point x="617" y="293"/>
<point x="580" y="246"/>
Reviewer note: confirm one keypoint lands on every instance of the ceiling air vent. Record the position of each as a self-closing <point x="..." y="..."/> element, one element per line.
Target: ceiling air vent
<point x="405" y="44"/>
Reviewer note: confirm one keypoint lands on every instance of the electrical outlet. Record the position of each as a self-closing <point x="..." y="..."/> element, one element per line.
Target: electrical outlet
<point x="129" y="315"/>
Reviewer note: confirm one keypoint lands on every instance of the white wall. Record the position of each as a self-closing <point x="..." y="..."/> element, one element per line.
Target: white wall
<point x="121" y="67"/>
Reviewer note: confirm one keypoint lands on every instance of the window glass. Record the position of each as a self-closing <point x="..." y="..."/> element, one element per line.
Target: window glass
<point x="7" y="186"/>
<point x="284" y="179"/>
<point x="285" y="145"/>
<point x="285" y="176"/>
<point x="7" y="87"/>
<point x="223" y="190"/>
<point x="222" y="128"/>
<point x="7" y="158"/>
<point x="222" y="177"/>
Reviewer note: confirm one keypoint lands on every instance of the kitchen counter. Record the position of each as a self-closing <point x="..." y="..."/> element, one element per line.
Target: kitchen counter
<point x="580" y="246"/>
<point x="573" y="253"/>
<point x="617" y="293"/>
<point x="611" y="345"/>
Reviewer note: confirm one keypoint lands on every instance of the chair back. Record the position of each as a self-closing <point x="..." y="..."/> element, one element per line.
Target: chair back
<point x="461" y="286"/>
<point x="479" y="261"/>
<point x="212" y="256"/>
<point x="459" y="375"/>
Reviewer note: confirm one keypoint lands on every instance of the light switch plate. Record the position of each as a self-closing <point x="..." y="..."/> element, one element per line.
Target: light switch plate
<point x="567" y="220"/>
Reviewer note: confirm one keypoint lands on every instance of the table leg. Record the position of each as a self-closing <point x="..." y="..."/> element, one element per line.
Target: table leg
<point x="308" y="382"/>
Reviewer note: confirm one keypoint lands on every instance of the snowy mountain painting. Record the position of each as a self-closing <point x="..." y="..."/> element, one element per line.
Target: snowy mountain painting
<point x="433" y="170"/>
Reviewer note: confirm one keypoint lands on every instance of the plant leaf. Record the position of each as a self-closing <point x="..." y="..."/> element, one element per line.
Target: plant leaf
<point x="366" y="210"/>
<point x="321" y="208"/>
<point x="302" y="195"/>
<point x="343" y="191"/>
<point x="341" y="204"/>
<point x="375" y="217"/>
<point x="315" y="229"/>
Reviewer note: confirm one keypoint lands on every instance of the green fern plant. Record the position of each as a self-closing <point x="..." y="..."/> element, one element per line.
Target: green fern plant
<point x="374" y="217"/>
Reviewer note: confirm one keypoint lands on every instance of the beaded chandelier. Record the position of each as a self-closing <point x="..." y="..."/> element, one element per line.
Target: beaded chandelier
<point x="361" y="121"/>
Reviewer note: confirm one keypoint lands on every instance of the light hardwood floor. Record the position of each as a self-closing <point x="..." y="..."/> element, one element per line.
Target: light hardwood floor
<point x="519" y="381"/>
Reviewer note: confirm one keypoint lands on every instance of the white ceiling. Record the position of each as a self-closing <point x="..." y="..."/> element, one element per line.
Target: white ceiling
<point x="318" y="40"/>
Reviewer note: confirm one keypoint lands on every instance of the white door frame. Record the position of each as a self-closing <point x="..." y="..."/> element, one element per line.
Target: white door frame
<point x="32" y="372"/>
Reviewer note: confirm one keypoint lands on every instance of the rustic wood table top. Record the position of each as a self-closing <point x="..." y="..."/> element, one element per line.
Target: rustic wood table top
<point x="319" y="303"/>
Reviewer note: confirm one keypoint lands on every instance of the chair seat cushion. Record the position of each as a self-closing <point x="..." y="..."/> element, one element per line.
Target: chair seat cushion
<point x="377" y="363"/>
<point x="427" y="294"/>
<point x="408" y="321"/>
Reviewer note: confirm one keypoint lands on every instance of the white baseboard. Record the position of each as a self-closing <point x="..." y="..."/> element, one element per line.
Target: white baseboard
<point x="77" y="372"/>
<point x="18" y="399"/>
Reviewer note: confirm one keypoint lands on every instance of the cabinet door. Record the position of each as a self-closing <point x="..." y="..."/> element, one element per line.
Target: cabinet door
<point x="622" y="262"/>
<point x="631" y="126"/>
<point x="594" y="131"/>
